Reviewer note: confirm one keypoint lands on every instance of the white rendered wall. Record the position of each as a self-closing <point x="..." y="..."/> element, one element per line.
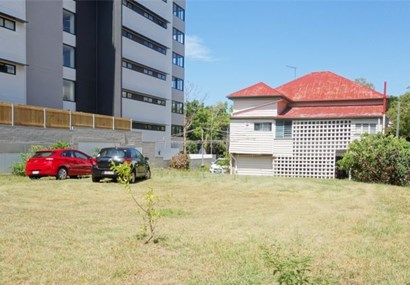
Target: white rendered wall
<point x="13" y="47"/>
<point x="13" y="87"/>
<point x="140" y="82"/>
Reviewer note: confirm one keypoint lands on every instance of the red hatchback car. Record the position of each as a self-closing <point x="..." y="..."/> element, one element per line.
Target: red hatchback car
<point x="61" y="163"/>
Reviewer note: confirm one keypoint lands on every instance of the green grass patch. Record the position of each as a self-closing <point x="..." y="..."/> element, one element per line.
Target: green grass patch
<point x="214" y="229"/>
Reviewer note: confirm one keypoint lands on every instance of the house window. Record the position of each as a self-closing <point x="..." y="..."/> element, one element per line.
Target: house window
<point x="179" y="12"/>
<point x="177" y="131"/>
<point x="144" y="41"/>
<point x="177" y="59"/>
<point x="8" y="24"/>
<point x="143" y="98"/>
<point x="68" y="90"/>
<point x="178" y="36"/>
<point x="143" y="11"/>
<point x="365" y="129"/>
<point x="7" y="68"/>
<point x="68" y="22"/>
<point x="177" y="107"/>
<point x="263" y="127"/>
<point x="178" y="83"/>
<point x="148" y="127"/>
<point x="144" y="69"/>
<point x="283" y="129"/>
<point x="68" y="56"/>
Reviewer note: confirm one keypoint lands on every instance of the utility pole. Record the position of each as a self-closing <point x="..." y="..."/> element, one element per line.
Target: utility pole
<point x="398" y="119"/>
<point x="202" y="147"/>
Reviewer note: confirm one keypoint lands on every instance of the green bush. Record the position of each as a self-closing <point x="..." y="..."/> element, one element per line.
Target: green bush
<point x="291" y="268"/>
<point x="180" y="161"/>
<point x="378" y="159"/>
<point x="18" y="168"/>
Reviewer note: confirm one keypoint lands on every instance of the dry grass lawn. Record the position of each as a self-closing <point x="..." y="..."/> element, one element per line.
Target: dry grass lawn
<point x="215" y="229"/>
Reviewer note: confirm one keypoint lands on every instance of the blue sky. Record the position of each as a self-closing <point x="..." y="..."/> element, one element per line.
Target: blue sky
<point x="231" y="45"/>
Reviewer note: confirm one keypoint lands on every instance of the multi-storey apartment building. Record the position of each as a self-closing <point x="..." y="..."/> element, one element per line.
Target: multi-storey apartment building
<point x="120" y="58"/>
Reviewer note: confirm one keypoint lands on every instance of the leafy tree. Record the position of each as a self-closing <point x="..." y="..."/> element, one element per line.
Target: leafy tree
<point x="210" y="123"/>
<point x="364" y="82"/>
<point x="378" y="159"/>
<point x="392" y="112"/>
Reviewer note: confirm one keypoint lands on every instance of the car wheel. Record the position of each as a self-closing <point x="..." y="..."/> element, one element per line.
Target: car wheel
<point x="95" y="179"/>
<point x="62" y="173"/>
<point x="133" y="177"/>
<point x="34" y="177"/>
<point x="148" y="174"/>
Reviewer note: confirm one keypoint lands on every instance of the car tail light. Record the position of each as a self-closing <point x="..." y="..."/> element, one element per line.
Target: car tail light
<point x="127" y="160"/>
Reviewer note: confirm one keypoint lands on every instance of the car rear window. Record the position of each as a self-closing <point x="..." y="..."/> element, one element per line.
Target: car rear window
<point x="44" y="154"/>
<point x="112" y="152"/>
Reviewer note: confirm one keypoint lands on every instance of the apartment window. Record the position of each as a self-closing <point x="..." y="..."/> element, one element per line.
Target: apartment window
<point x="68" y="90"/>
<point x="177" y="107"/>
<point x="263" y="127"/>
<point x="178" y="36"/>
<point x="143" y="11"/>
<point x="8" y="24"/>
<point x="144" y="41"/>
<point x="7" y="68"/>
<point x="177" y="131"/>
<point x="68" y="22"/>
<point x="68" y="56"/>
<point x="177" y="83"/>
<point x="283" y="129"/>
<point x="148" y="127"/>
<point x="179" y="12"/>
<point x="143" y="98"/>
<point x="177" y="59"/>
<point x="144" y="69"/>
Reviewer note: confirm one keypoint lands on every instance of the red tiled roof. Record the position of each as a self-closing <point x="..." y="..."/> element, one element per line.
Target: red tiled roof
<point x="257" y="90"/>
<point x="332" y="112"/>
<point x="326" y="86"/>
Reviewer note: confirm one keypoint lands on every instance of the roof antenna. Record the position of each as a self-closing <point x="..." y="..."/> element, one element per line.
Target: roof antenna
<point x="294" y="69"/>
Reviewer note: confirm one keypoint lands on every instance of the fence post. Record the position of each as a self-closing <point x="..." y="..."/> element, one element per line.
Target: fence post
<point x="113" y="123"/>
<point x="12" y="115"/>
<point x="93" y="121"/>
<point x="44" y="117"/>
<point x="130" y="125"/>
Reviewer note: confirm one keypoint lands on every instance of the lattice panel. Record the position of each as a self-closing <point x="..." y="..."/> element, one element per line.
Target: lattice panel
<point x="314" y="149"/>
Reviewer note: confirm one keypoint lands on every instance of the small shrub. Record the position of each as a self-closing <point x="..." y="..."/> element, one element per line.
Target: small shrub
<point x="60" y="145"/>
<point x="146" y="210"/>
<point x="18" y="168"/>
<point x="378" y="159"/>
<point x="291" y="268"/>
<point x="180" y="161"/>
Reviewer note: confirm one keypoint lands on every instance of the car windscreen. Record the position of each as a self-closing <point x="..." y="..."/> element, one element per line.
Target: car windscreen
<point x="44" y="154"/>
<point x="112" y="152"/>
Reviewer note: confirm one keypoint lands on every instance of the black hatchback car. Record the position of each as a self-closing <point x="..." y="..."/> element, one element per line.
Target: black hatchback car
<point x="102" y="169"/>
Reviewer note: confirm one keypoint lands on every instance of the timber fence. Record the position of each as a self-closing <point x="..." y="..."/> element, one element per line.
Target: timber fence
<point x="31" y="116"/>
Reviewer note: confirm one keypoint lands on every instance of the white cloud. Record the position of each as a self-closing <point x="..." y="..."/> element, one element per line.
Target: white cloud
<point x="195" y="49"/>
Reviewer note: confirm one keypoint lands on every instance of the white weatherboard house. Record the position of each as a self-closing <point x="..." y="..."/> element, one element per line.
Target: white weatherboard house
<point x="303" y="127"/>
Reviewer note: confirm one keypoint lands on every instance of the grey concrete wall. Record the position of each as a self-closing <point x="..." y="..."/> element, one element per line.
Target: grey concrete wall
<point x="45" y="53"/>
<point x="15" y="140"/>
